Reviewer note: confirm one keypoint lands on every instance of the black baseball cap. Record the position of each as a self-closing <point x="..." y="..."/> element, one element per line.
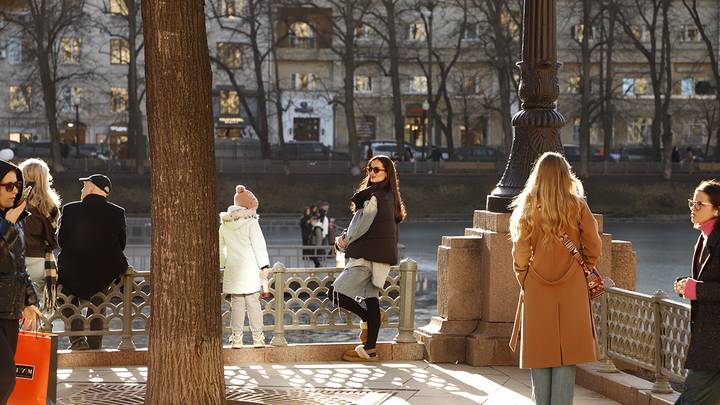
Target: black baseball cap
<point x="100" y="180"/>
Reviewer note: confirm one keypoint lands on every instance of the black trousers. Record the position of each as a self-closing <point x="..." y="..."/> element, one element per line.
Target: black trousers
<point x="8" y="343"/>
<point x="77" y="324"/>
<point x="702" y="387"/>
<point x="369" y="314"/>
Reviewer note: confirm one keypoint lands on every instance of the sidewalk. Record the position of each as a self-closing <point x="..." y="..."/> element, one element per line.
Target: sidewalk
<point x="391" y="383"/>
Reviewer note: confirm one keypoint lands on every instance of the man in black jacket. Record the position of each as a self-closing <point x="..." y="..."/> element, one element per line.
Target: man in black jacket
<point x="92" y="240"/>
<point x="18" y="298"/>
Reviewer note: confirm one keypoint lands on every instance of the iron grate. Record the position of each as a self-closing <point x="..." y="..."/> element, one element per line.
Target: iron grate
<point x="132" y="394"/>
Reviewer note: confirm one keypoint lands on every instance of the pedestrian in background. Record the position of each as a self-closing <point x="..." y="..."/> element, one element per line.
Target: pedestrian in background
<point x="40" y="228"/>
<point x="18" y="299"/>
<point x="553" y="318"/>
<point x="244" y="256"/>
<point x="370" y="244"/>
<point x="702" y="288"/>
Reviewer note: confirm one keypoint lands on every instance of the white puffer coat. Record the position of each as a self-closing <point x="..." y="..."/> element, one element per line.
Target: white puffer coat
<point x="242" y="250"/>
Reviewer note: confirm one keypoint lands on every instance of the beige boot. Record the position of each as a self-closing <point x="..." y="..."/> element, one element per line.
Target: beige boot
<point x="236" y="340"/>
<point x="258" y="339"/>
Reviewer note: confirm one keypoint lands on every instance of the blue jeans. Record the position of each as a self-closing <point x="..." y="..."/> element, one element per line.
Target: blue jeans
<point x="553" y="385"/>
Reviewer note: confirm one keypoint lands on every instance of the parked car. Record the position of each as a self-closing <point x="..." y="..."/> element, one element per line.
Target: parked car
<point x="387" y="147"/>
<point x="33" y="149"/>
<point x="477" y="153"/>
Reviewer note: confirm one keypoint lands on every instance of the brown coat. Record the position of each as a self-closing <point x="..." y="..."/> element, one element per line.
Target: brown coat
<point x="553" y="318"/>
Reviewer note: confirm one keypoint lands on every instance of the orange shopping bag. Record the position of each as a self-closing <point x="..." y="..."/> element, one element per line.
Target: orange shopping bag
<point x="35" y="369"/>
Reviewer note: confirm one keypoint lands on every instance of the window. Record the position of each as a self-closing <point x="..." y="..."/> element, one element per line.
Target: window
<point x="119" y="52"/>
<point x="118" y="7"/>
<point x="640" y="33"/>
<point x="638" y="131"/>
<point x="628" y="87"/>
<point x="704" y="88"/>
<point x="578" y="31"/>
<point x="118" y="99"/>
<point x="510" y="21"/>
<point x="362" y="32"/>
<point x="687" y="87"/>
<point x="70" y="50"/>
<point x="635" y="87"/>
<point x="641" y="86"/>
<point x="416" y="32"/>
<point x="689" y="33"/>
<point x="304" y="81"/>
<point x="69" y="97"/>
<point x="363" y="84"/>
<point x="472" y="85"/>
<point x="229" y="102"/>
<point x="573" y="85"/>
<point x="20" y="98"/>
<point x="418" y="85"/>
<point x="14" y="51"/>
<point x="230" y="53"/>
<point x="472" y="32"/>
<point x="231" y="8"/>
<point x="302" y="35"/>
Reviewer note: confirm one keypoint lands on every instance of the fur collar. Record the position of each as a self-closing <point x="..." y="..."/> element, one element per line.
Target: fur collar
<point x="234" y="213"/>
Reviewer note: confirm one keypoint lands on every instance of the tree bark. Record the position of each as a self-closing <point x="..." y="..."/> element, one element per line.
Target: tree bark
<point x="394" y="57"/>
<point x="136" y="141"/>
<point x="586" y="91"/>
<point x="185" y="337"/>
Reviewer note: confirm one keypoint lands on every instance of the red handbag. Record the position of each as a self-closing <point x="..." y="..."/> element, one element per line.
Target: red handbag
<point x="35" y="369"/>
<point x="595" y="283"/>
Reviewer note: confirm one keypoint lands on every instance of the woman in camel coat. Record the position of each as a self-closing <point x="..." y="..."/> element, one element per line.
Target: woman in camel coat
<point x="554" y="320"/>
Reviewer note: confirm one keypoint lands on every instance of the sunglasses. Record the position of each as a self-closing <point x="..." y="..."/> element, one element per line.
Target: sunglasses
<point x="10" y="186"/>
<point x="375" y="170"/>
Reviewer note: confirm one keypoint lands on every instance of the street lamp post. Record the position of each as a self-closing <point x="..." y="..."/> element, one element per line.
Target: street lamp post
<point x="77" y="130"/>
<point x="538" y="122"/>
<point x="429" y="8"/>
<point x="425" y="125"/>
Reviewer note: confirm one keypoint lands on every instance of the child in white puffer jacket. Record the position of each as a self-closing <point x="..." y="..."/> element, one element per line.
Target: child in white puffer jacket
<point x="244" y="256"/>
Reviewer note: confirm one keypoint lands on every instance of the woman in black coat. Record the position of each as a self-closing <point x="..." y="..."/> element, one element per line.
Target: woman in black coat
<point x="18" y="299"/>
<point x="702" y="288"/>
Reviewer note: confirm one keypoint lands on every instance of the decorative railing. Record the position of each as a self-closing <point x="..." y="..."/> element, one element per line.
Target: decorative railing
<point x="301" y="300"/>
<point x="292" y="256"/>
<point x="651" y="332"/>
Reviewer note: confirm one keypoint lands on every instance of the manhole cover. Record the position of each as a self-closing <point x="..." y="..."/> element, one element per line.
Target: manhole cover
<point x="130" y="394"/>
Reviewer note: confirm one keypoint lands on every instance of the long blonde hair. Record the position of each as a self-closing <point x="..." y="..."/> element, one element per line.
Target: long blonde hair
<point x="551" y="200"/>
<point x="43" y="197"/>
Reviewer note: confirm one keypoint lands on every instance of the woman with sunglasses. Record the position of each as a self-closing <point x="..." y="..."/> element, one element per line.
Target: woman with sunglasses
<point x="370" y="245"/>
<point x="702" y="288"/>
<point x="18" y="299"/>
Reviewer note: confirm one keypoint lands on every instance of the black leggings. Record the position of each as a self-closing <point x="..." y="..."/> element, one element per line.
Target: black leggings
<point x="8" y="344"/>
<point x="370" y="314"/>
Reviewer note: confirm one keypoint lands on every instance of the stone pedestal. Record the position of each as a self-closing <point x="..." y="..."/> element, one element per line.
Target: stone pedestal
<point x="477" y="291"/>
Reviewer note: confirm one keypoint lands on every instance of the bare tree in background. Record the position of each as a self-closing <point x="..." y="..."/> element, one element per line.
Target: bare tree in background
<point x="500" y="41"/>
<point x="646" y="25"/>
<point x="253" y="28"/>
<point x="124" y="24"/>
<point x="44" y="22"/>
<point x="700" y="23"/>
<point x="185" y="364"/>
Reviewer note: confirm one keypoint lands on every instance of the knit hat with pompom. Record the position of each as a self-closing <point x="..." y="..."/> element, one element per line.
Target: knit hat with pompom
<point x="244" y="198"/>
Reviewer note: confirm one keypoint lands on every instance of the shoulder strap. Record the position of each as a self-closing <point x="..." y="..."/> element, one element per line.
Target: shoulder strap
<point x="568" y="243"/>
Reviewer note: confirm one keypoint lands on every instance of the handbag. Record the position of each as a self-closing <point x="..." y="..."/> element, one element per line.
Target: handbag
<point x="595" y="283"/>
<point x="35" y="369"/>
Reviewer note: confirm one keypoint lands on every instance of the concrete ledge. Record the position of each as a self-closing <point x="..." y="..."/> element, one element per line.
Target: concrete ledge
<point x="621" y="387"/>
<point x="294" y="353"/>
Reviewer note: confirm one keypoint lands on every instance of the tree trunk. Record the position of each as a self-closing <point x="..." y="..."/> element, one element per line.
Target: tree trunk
<point x="667" y="135"/>
<point x="394" y="56"/>
<point x="505" y="108"/>
<point x="586" y="91"/>
<point x="136" y="136"/>
<point x="49" y="93"/>
<point x="349" y="108"/>
<point x="608" y="116"/>
<point x="185" y="336"/>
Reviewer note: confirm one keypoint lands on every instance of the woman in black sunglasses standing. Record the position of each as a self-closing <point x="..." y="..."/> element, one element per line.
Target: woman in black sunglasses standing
<point x="702" y="288"/>
<point x="370" y="244"/>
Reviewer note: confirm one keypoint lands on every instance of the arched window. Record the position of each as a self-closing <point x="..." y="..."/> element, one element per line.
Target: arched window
<point x="302" y="35"/>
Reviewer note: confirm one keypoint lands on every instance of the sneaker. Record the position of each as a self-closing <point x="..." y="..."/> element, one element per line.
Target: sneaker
<point x="364" y="328"/>
<point x="80" y="344"/>
<point x="360" y="355"/>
